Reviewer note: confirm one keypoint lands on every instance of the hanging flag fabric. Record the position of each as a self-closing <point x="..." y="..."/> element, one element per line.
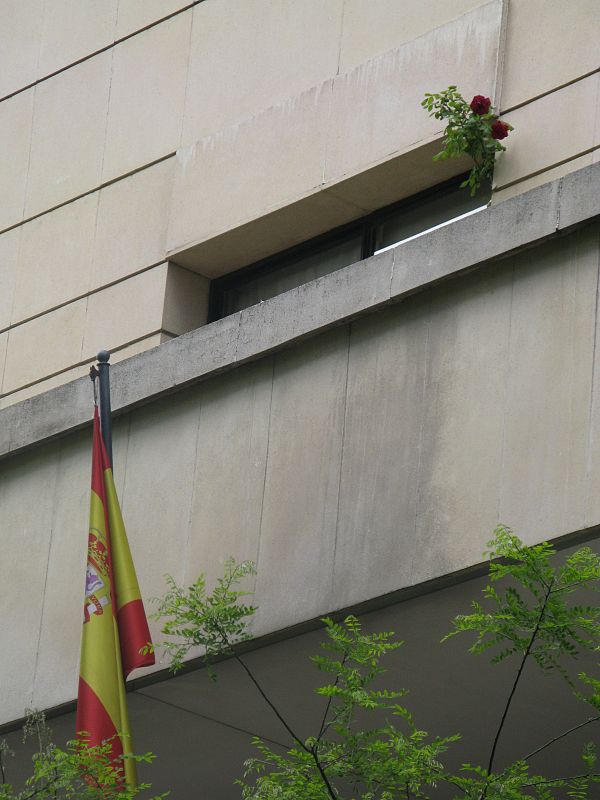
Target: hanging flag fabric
<point x="114" y="620"/>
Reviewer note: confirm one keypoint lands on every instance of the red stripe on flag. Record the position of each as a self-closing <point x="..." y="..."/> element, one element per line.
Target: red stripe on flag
<point x="93" y="719"/>
<point x="133" y="635"/>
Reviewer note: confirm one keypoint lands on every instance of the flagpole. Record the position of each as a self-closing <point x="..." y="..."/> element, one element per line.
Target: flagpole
<point x="105" y="412"/>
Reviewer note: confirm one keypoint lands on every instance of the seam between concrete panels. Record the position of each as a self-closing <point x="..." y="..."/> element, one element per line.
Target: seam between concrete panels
<point x="550" y="91"/>
<point x="495" y="233"/>
<point x="97" y="188"/>
<point x="83" y="362"/>
<point x="341" y="459"/>
<point x="100" y="50"/>
<point x="541" y="171"/>
<point x="592" y="400"/>
<point x="89" y="293"/>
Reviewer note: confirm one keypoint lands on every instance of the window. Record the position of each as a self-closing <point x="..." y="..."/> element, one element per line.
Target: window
<point x="344" y="246"/>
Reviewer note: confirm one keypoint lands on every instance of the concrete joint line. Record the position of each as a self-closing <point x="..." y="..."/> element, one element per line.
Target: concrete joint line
<point x="520" y="222"/>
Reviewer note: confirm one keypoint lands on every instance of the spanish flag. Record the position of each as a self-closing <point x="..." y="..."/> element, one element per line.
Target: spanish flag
<point x="114" y="621"/>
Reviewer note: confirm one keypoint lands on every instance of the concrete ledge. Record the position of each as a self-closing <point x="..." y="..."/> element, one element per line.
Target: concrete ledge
<point x="497" y="232"/>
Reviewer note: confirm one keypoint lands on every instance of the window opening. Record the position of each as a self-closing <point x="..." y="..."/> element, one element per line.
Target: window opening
<point x="375" y="233"/>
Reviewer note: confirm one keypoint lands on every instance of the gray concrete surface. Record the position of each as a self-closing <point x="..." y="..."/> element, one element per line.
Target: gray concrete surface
<point x="365" y="460"/>
<point x="495" y="233"/>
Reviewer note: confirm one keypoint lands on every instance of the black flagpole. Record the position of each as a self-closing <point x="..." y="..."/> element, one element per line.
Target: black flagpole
<point x="105" y="412"/>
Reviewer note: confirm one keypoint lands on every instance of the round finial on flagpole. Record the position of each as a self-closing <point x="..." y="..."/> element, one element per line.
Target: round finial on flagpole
<point x="103" y="356"/>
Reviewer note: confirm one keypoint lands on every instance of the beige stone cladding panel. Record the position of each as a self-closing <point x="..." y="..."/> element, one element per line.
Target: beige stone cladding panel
<point x="9" y="257"/>
<point x="298" y="527"/>
<point x="463" y="421"/>
<point x="158" y="481"/>
<point x="133" y="15"/>
<point x="27" y="492"/>
<point x="147" y="96"/>
<point x="55" y="258"/>
<point x="381" y="454"/>
<point x="376" y="108"/>
<point x="573" y="114"/>
<point x="371" y="28"/>
<point x="593" y="454"/>
<point x="74" y="29"/>
<point x="232" y="440"/>
<point x="69" y="126"/>
<point x="256" y="55"/>
<point x="548" y="43"/>
<point x="44" y="346"/>
<point x="246" y="170"/>
<point x="129" y="310"/>
<point x="20" y="50"/>
<point x="336" y="129"/>
<point x="57" y="658"/>
<point x="549" y="390"/>
<point x="3" y="348"/>
<point x="185" y="301"/>
<point x="546" y="176"/>
<point x="16" y="115"/>
<point x="132" y="224"/>
<point x="80" y="371"/>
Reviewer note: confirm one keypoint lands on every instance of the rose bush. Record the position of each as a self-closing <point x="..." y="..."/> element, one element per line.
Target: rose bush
<point x="472" y="128"/>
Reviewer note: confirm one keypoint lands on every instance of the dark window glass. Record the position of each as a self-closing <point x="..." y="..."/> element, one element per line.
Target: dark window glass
<point x="296" y="270"/>
<point x="402" y="223"/>
<point x="342" y="247"/>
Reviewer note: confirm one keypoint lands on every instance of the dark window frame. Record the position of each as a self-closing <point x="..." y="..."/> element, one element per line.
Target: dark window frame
<point x="366" y="226"/>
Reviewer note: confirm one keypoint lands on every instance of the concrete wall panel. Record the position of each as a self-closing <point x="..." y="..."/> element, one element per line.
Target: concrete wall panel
<point x="132" y="222"/>
<point x="45" y="345"/>
<point x="16" y="115"/>
<point x="229" y="477"/>
<point x="376" y="108"/>
<point x="217" y="185"/>
<point x="547" y="45"/>
<point x="531" y="146"/>
<point x="69" y="126"/>
<point x="463" y="420"/>
<point x="133" y="15"/>
<point x="27" y="496"/>
<point x="549" y="390"/>
<point x="9" y="256"/>
<point x="381" y="456"/>
<point x="298" y="528"/>
<point x="55" y="258"/>
<point x="261" y="54"/>
<point x="125" y="311"/>
<point x="20" y="50"/>
<point x="73" y="29"/>
<point x="62" y="615"/>
<point x="158" y="476"/>
<point x="147" y="96"/>
<point x="371" y="29"/>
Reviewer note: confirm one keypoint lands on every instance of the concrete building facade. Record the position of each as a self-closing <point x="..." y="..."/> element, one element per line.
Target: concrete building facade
<point x="358" y="435"/>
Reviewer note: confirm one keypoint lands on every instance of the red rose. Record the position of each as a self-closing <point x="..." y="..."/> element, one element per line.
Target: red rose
<point x="480" y="105"/>
<point x="500" y="129"/>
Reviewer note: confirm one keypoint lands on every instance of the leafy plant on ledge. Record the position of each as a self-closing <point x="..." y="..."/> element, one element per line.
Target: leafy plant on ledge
<point x="472" y="128"/>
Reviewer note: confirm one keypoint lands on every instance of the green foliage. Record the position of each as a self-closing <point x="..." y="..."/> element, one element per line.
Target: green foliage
<point x="466" y="132"/>
<point x="393" y="760"/>
<point x="533" y="616"/>
<point x="212" y="621"/>
<point x="368" y="747"/>
<point x="76" y="772"/>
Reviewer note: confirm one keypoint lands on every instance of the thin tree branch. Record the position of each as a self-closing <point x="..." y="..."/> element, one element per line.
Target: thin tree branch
<point x="294" y="736"/>
<point x="561" y="736"/>
<point x="514" y="687"/>
<point x="324" y="727"/>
